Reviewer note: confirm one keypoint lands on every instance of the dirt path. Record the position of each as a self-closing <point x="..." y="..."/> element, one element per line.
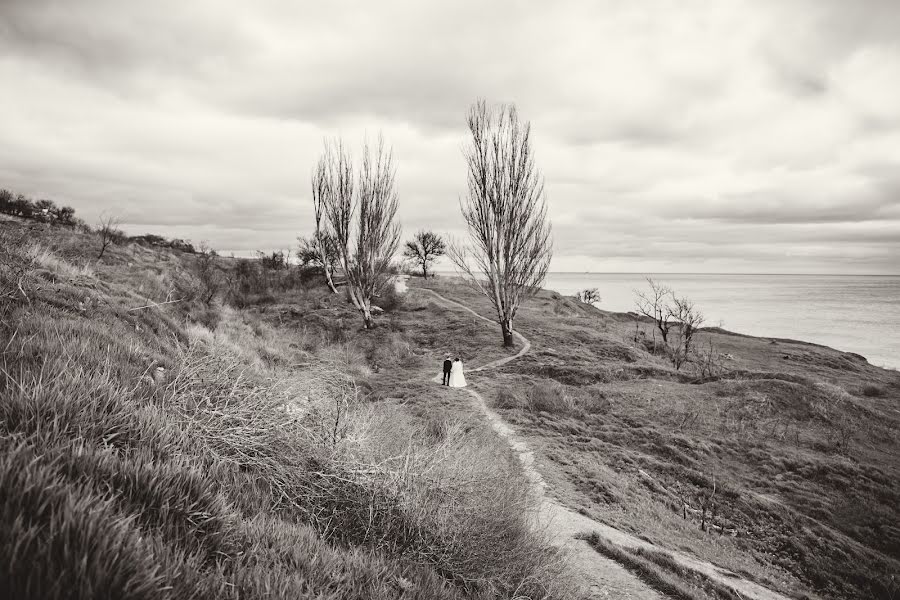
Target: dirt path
<point x="606" y="578"/>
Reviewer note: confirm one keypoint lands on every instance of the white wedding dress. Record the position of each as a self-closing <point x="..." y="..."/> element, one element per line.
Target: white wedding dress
<point x="457" y="379"/>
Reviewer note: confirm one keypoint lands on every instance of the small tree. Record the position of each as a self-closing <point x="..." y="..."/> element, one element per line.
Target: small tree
<point x="363" y="220"/>
<point x="65" y="215"/>
<point x="506" y="213"/>
<point x="588" y="296"/>
<point x="424" y="249"/>
<point x="109" y="233"/>
<point x="655" y="306"/>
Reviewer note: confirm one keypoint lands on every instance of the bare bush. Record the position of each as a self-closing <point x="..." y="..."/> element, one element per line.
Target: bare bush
<point x="109" y="233"/>
<point x="588" y="296"/>
<point x="208" y="274"/>
<point x="710" y="362"/>
<point x="506" y="213"/>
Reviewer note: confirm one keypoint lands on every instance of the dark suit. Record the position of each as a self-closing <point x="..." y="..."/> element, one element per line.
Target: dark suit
<point x="448" y="366"/>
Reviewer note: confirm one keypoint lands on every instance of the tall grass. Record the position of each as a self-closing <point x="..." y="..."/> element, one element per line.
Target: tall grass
<point x="143" y="459"/>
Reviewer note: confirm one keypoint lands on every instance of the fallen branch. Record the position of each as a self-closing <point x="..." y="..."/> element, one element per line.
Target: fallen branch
<point x="155" y="304"/>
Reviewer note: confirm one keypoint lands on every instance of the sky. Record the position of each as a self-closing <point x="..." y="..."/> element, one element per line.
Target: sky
<point x="758" y="136"/>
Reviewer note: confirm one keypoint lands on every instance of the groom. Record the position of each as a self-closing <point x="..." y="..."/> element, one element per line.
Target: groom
<point x="448" y="366"/>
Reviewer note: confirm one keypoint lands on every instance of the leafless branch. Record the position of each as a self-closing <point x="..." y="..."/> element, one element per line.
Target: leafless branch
<point x="109" y="233"/>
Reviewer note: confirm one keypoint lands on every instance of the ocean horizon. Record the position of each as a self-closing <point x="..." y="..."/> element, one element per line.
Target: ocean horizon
<point x="848" y="312"/>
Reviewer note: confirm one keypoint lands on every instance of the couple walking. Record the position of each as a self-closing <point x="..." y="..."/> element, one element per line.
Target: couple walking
<point x="453" y="373"/>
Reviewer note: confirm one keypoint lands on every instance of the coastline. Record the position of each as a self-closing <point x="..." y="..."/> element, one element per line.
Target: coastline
<point x="812" y="311"/>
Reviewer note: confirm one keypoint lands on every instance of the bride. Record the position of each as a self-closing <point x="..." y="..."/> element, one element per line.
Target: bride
<point x="457" y="379"/>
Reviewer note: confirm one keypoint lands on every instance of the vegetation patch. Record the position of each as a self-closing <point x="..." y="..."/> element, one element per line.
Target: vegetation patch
<point x="159" y="449"/>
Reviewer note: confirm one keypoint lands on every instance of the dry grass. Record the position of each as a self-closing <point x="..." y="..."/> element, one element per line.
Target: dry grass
<point x="550" y="397"/>
<point x="803" y="459"/>
<point x="144" y="458"/>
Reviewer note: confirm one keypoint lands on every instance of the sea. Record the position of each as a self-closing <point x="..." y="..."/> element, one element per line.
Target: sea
<point x="852" y="313"/>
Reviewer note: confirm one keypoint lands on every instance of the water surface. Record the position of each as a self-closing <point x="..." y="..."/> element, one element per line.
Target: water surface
<point x="853" y="313"/>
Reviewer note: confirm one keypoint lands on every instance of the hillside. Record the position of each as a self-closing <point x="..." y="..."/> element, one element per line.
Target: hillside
<point x="264" y="445"/>
<point x="791" y="447"/>
<point x="154" y="446"/>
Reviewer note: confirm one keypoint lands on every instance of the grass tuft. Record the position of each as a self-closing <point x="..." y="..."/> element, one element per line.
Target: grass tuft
<point x="550" y="397"/>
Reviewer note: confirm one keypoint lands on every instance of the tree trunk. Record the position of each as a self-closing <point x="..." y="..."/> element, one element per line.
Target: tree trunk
<point x="363" y="305"/>
<point x="368" y="321"/>
<point x="424" y="271"/>
<point x="330" y="280"/>
<point x="507" y="328"/>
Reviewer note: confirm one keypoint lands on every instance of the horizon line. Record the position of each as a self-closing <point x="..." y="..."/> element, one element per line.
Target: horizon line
<point x="705" y="273"/>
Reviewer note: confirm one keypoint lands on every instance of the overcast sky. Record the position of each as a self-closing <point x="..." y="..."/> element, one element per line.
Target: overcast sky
<point x="717" y="136"/>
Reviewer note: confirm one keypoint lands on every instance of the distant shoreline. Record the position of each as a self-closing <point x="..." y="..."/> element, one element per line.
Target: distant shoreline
<point x="753" y="310"/>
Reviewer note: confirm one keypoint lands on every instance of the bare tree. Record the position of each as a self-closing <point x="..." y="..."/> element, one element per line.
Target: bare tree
<point x="324" y="244"/>
<point x="424" y="249"/>
<point x="655" y="306"/>
<point x="505" y="211"/>
<point x="671" y="313"/>
<point x="363" y="220"/>
<point x="109" y="233"/>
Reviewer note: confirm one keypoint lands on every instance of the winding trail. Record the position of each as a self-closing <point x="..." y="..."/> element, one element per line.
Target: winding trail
<point x="605" y="577"/>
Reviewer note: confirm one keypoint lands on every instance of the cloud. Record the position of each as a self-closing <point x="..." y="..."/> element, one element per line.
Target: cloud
<point x="762" y="133"/>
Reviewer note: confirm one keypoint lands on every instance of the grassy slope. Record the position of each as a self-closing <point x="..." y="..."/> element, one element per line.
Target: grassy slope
<point x="278" y="451"/>
<point x="800" y="441"/>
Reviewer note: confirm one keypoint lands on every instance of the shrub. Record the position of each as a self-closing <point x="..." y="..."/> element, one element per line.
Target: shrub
<point x="588" y="296"/>
<point x="208" y="274"/>
<point x="392" y="349"/>
<point x="593" y="401"/>
<point x="506" y="398"/>
<point x="550" y="397"/>
<point x="390" y="300"/>
<point x="873" y="391"/>
<point x="208" y="316"/>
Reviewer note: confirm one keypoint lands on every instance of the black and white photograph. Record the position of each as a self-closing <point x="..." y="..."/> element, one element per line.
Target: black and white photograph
<point x="503" y="300"/>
